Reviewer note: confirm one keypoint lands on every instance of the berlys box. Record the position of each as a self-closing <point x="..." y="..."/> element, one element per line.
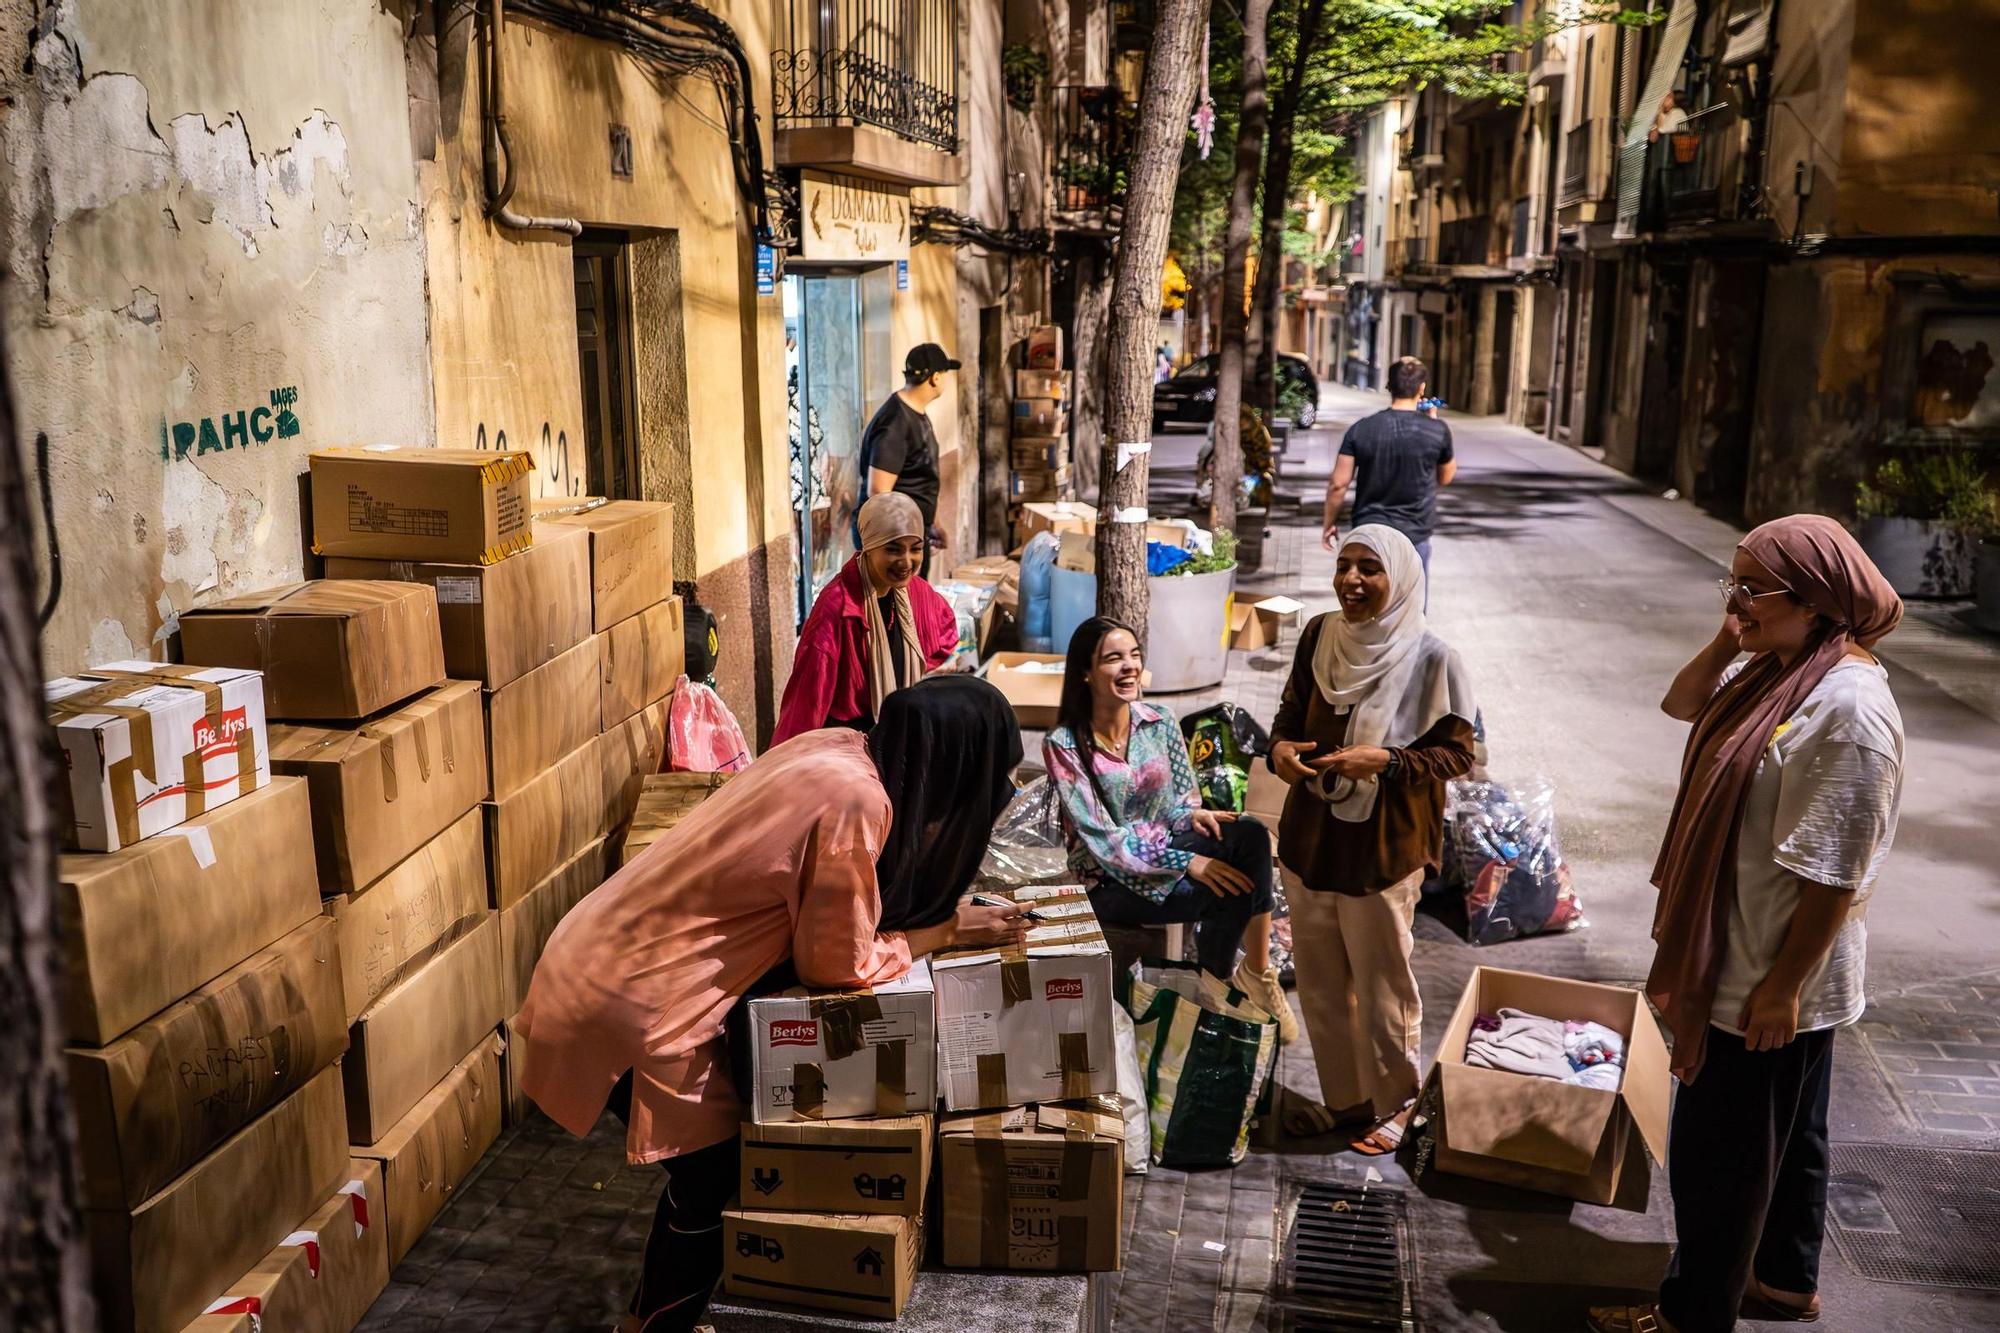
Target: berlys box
<point x="850" y="1053"/>
<point x="1028" y="1024"/>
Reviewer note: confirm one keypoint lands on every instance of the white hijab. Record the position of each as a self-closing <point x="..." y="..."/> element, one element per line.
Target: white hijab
<point x="1396" y="676"/>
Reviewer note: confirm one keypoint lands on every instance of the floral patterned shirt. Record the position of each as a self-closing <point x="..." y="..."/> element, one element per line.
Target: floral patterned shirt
<point x="1149" y="796"/>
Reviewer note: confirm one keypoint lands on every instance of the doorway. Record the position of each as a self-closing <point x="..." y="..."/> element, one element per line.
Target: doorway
<point x="603" y="273"/>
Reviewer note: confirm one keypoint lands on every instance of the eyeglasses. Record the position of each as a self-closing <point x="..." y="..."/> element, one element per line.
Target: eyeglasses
<point x="1734" y="591"/>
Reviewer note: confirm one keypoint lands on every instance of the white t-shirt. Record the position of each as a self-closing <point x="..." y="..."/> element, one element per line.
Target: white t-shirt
<point x="1821" y="806"/>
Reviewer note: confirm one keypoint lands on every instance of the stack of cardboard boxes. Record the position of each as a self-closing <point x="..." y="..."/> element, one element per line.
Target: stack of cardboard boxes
<point x="1039" y="447"/>
<point x="204" y="1001"/>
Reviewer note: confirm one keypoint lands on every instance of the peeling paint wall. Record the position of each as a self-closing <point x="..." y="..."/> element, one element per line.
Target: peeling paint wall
<point x="215" y="263"/>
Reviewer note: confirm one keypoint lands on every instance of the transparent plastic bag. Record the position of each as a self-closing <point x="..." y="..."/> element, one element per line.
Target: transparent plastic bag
<point x="1502" y="854"/>
<point x="702" y="734"/>
<point x="1037" y="559"/>
<point x="1027" y="845"/>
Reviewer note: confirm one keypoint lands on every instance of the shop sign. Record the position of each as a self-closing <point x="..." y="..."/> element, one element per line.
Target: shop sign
<point x="767" y="271"/>
<point x="851" y="219"/>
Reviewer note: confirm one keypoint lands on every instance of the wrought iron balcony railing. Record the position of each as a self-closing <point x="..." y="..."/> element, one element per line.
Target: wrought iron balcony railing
<point x="892" y="64"/>
<point x="1093" y="145"/>
<point x="1465" y="241"/>
<point x="1583" y="160"/>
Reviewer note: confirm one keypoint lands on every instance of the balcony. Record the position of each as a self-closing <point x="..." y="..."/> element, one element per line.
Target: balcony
<point x="1466" y="241"/>
<point x="1694" y="172"/>
<point x="1092" y="144"/>
<point x="1423" y="146"/>
<point x="868" y="86"/>
<point x="1548" y="60"/>
<point x="1519" y="240"/>
<point x="1418" y="252"/>
<point x="1586" y="161"/>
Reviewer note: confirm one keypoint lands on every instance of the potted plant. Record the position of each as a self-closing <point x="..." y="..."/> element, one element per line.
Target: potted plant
<point x="1920" y="517"/>
<point x="1686" y="144"/>
<point x="1022" y="69"/>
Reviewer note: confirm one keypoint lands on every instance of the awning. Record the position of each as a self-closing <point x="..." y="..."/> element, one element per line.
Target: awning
<point x="1749" y="29"/>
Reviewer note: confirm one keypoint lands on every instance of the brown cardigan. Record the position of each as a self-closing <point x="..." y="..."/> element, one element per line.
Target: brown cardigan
<point x="1406" y="831"/>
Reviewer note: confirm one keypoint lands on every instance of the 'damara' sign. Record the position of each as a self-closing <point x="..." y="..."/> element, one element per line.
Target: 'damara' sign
<point x="847" y="218"/>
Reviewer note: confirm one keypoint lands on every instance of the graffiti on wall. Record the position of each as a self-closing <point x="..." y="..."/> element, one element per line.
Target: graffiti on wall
<point x="236" y="430"/>
<point x="556" y="472"/>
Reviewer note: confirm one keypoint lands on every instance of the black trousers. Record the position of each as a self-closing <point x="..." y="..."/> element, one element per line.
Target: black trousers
<point x="1219" y="920"/>
<point x="1747" y="1164"/>
<point x="684" y="1248"/>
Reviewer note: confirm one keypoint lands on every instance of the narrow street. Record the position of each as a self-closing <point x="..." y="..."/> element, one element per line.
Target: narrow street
<point x="1574" y="596"/>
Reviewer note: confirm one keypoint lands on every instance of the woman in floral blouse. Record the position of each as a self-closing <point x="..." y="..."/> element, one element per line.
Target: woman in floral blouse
<point x="1138" y="836"/>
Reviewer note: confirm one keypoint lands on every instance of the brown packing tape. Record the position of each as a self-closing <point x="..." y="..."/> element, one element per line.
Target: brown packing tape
<point x="449" y="751"/>
<point x="991" y="1072"/>
<point x="1077" y="1154"/>
<point x="808" y="1090"/>
<point x="140" y="759"/>
<point x="1015" y="982"/>
<point x="1073" y="1243"/>
<point x="1073" y="1058"/>
<point x="841" y="1020"/>
<point x="892" y="1081"/>
<point x="385" y="746"/>
<point x="990" y="1155"/>
<point x="423" y="739"/>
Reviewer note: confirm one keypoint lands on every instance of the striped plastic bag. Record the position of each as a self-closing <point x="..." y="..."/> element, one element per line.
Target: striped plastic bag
<point x="1206" y="1052"/>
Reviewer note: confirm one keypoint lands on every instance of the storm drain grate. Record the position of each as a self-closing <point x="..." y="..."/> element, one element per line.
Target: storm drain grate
<point x="1347" y="1267"/>
<point x="1926" y="1216"/>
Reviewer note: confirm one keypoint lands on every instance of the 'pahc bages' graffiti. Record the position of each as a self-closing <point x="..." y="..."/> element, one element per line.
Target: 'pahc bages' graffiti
<point x="239" y="430"/>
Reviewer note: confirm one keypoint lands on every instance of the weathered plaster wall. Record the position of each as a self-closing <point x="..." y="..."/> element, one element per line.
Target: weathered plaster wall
<point x="214" y="264"/>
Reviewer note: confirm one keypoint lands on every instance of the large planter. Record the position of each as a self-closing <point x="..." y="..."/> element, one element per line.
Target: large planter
<point x="1986" y="585"/>
<point x="1186" y="629"/>
<point x="1918" y="557"/>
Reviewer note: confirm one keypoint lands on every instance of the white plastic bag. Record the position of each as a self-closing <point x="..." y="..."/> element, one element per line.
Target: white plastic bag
<point x="1131" y="1094"/>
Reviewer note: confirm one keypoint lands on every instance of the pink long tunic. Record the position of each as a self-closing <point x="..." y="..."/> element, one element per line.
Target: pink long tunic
<point x="642" y="973"/>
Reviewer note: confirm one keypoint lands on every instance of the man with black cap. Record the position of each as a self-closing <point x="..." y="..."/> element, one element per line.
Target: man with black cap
<point x="899" y="449"/>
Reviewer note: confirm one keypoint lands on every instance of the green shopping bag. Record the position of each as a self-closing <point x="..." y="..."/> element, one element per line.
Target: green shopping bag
<point x="1206" y="1052"/>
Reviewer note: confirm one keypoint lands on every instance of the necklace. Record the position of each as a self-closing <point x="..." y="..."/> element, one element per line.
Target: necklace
<point x="1116" y="749"/>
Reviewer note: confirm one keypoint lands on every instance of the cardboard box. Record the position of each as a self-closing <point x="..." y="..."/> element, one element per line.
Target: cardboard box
<point x="335" y="648"/>
<point x="631" y="556"/>
<point x="841" y="1054"/>
<point x="642" y="657"/>
<point x="838" y="1166"/>
<point x="1031" y="1024"/>
<point x="1537" y="1133"/>
<point x="858" y="1264"/>
<point x="385" y="787"/>
<point x="1075" y="516"/>
<point x="525" y="927"/>
<point x="1258" y="624"/>
<point x="148" y="747"/>
<point x="427" y="1153"/>
<point x="1041" y="384"/>
<point x="534" y="831"/>
<point x="1037" y="486"/>
<point x="503" y="620"/>
<point x="1031" y="682"/>
<point x="405" y="502"/>
<point x="1036" y="453"/>
<point x="322" y="1277"/>
<point x="1045" y="348"/>
<point x="543" y="716"/>
<point x="1039" y="416"/>
<point x="629" y="754"/>
<point x="1034" y="1188"/>
<point x="432" y="1014"/>
<point x="149" y="1104"/>
<point x="144" y="926"/>
<point x="157" y="1266"/>
<point x="665" y="800"/>
<point x="515" y="1105"/>
<point x="385" y="925"/>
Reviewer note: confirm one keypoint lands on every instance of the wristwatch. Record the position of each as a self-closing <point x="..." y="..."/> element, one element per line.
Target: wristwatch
<point x="1395" y="763"/>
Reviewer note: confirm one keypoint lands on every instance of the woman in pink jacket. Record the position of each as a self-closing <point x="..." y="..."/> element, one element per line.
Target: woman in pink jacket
<point x="841" y="855"/>
<point x="876" y="628"/>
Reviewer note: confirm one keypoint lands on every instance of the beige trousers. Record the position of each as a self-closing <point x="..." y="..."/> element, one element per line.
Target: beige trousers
<point x="1357" y="992"/>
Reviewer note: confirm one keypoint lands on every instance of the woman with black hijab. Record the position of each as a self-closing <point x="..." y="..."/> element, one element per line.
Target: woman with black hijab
<point x="837" y="858"/>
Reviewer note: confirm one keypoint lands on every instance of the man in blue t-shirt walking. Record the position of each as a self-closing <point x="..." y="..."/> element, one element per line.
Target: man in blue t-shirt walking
<point x="1395" y="460"/>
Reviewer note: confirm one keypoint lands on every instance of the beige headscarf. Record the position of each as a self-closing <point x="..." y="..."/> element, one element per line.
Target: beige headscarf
<point x="884" y="518"/>
<point x="1397" y="677"/>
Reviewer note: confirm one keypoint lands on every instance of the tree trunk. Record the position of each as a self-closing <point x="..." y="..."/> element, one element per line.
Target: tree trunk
<point x="43" y="1268"/>
<point x="1263" y="392"/>
<point x="1250" y="125"/>
<point x="1164" y="102"/>
<point x="1092" y="312"/>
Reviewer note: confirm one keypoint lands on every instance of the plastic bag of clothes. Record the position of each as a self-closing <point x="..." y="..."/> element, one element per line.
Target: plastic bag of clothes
<point x="1502" y="855"/>
<point x="1027" y="843"/>
<point x="702" y="734"/>
<point x="1038" y="557"/>
<point x="1206" y="1052"/>
<point x="1222" y="741"/>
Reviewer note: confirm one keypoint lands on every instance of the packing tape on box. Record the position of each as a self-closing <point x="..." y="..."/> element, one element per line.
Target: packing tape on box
<point x="990" y="1070"/>
<point x="808" y="1090"/>
<point x="842" y="1022"/>
<point x="385" y="747"/>
<point x="1073" y="1059"/>
<point x="122" y="774"/>
<point x="892" y="1083"/>
<point x="1073" y="1243"/>
<point x="1016" y="982"/>
<point x="422" y="735"/>
<point x="990" y="1158"/>
<point x="194" y="764"/>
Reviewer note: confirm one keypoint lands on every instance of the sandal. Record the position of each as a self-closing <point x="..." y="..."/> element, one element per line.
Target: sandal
<point x="1628" y="1319"/>
<point x="1760" y="1302"/>
<point x="1383" y="1140"/>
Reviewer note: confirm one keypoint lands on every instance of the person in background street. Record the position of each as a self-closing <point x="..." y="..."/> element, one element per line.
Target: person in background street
<point x="1787" y="805"/>
<point x="877" y="627"/>
<point x="1163" y="365"/>
<point x="899" y="450"/>
<point x="1396" y="460"/>
<point x="1138" y="837"/>
<point x="1376" y="717"/>
<point x="843" y="855"/>
<point x="1669" y="119"/>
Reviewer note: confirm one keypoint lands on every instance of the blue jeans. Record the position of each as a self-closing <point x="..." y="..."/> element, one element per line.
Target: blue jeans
<point x="1220" y="919"/>
<point x="1424" y="554"/>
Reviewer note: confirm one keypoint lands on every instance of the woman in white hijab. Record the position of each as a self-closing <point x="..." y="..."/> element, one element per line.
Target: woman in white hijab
<point x="1377" y="716"/>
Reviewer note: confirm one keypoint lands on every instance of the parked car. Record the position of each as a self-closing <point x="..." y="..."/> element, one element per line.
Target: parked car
<point x="1189" y="397"/>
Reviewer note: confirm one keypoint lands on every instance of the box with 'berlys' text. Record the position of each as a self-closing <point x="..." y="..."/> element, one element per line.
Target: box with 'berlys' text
<point x="844" y="1053"/>
<point x="1033" y="1023"/>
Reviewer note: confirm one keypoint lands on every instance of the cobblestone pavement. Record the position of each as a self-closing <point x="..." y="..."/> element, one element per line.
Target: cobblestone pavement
<point x="1938" y="1043"/>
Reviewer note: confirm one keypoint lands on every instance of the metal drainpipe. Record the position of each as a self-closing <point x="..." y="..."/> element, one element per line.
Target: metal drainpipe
<point x="499" y="191"/>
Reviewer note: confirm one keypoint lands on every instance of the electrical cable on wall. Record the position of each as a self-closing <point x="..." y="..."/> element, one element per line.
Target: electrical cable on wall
<point x="933" y="224"/>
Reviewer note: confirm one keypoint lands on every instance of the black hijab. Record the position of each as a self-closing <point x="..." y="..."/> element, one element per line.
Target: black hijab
<point x="946" y="748"/>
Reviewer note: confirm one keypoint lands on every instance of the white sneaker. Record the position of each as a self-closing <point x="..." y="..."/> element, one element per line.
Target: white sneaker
<point x="1267" y="994"/>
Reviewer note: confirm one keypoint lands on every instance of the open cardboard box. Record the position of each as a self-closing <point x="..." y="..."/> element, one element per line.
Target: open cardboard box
<point x="1257" y="624"/>
<point x="1537" y="1133"/>
<point x="1029" y="685"/>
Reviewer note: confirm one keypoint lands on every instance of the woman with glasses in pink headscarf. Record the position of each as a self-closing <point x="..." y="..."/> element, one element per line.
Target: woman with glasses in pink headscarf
<point x="1787" y="806"/>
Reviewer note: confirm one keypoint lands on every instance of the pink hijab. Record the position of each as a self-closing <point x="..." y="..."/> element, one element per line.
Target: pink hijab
<point x="1823" y="567"/>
